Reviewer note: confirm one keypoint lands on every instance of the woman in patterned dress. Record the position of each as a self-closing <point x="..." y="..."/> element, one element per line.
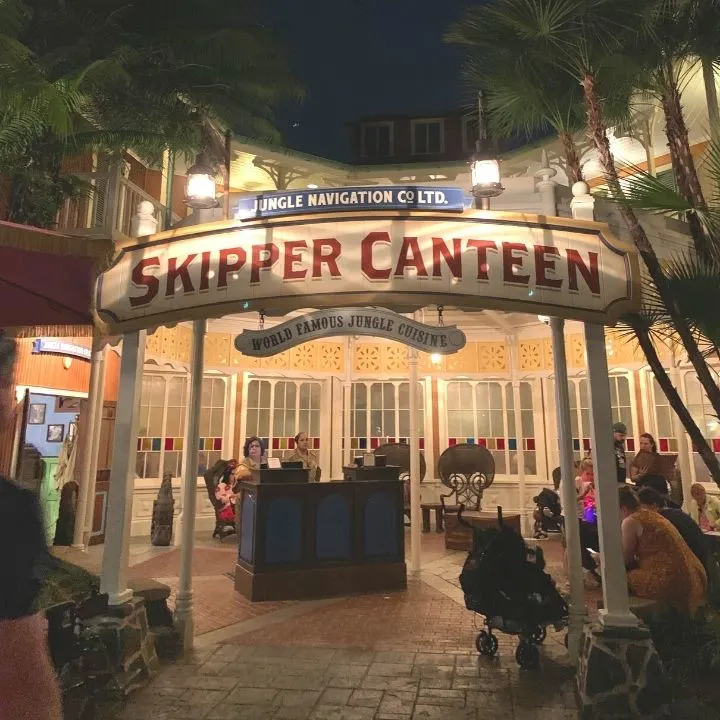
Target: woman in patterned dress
<point x="660" y="565"/>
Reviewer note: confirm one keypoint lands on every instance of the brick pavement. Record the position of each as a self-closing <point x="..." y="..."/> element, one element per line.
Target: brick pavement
<point x="245" y="681"/>
<point x="395" y="656"/>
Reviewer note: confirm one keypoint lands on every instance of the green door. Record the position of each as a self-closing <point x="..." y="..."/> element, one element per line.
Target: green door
<point x="49" y="498"/>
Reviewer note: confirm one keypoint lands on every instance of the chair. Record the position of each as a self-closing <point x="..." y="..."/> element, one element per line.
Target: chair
<point x="212" y="478"/>
<point x="467" y="470"/>
<point x="399" y="454"/>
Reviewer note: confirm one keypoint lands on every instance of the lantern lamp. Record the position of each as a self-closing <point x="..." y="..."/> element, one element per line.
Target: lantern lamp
<point x="200" y="189"/>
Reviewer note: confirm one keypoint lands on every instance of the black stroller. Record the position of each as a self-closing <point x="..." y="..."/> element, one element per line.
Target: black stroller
<point x="505" y="581"/>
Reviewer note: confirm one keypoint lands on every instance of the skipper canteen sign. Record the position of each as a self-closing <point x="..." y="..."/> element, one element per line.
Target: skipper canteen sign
<point x="393" y="197"/>
<point x="507" y="262"/>
<point x="373" y="322"/>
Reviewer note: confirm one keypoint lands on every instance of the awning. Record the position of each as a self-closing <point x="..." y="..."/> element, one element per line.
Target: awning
<point x="47" y="280"/>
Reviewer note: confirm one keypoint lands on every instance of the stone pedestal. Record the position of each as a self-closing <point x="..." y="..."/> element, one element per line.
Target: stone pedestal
<point x="620" y="675"/>
<point x="159" y="616"/>
<point x="125" y="633"/>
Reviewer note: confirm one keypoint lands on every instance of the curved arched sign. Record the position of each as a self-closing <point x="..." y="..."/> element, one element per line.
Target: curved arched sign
<point x="502" y="261"/>
<point x="369" y="322"/>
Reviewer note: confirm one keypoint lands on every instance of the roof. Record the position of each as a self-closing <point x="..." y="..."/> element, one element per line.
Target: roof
<point x="47" y="280"/>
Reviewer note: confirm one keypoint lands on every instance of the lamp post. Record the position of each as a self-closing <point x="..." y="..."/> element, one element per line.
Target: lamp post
<point x="484" y="165"/>
<point x="200" y="188"/>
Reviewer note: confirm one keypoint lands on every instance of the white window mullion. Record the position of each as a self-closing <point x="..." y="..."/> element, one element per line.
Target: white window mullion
<point x="271" y="413"/>
<point x="166" y="395"/>
<point x="578" y="411"/>
<point x="506" y="429"/>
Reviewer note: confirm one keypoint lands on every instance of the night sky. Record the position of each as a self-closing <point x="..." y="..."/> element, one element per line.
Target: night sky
<point x="364" y="57"/>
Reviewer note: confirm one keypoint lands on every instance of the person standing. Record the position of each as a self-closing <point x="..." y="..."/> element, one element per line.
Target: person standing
<point x="619" y="435"/>
<point x="28" y="685"/>
<point x="306" y="456"/>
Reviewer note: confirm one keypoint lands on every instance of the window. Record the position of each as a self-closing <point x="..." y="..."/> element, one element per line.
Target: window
<point x="483" y="412"/>
<point x="706" y="420"/>
<point x="377" y="141"/>
<point x="279" y="410"/>
<point x="621" y="406"/>
<point x="380" y="413"/>
<point x="161" y="428"/>
<point x="427" y="137"/>
<point x="470" y="133"/>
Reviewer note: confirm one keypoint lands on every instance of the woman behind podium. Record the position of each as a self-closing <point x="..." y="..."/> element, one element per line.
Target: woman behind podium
<point x="308" y="458"/>
<point x="253" y="453"/>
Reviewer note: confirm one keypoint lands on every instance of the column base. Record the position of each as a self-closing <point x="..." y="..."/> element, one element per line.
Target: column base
<point x="126" y="634"/>
<point x="620" y="675"/>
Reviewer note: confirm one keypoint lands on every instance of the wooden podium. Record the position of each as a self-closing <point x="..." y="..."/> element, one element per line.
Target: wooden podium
<point x="301" y="540"/>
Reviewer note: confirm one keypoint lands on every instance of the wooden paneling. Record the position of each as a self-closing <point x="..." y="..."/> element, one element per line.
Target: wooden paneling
<point x="47" y="371"/>
<point x="112" y="375"/>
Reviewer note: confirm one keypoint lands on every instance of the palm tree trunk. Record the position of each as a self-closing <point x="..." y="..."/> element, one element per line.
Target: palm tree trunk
<point x="572" y="157"/>
<point x="596" y="130"/>
<point x="708" y="71"/>
<point x="682" y="160"/>
<point x="676" y="403"/>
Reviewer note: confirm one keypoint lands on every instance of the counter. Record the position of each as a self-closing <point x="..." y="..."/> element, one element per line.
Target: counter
<point x="300" y="541"/>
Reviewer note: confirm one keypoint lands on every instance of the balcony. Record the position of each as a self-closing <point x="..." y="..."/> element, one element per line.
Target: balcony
<point x="108" y="207"/>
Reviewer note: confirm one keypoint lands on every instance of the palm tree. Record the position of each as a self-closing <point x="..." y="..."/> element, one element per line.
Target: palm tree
<point x="520" y="99"/>
<point x="587" y="39"/>
<point x="149" y="77"/>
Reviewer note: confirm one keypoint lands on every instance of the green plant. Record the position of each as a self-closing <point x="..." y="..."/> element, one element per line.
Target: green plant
<point x="64" y="582"/>
<point x="689" y="648"/>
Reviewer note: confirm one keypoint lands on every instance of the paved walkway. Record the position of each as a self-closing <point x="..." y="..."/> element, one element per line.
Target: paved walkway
<point x="403" y="655"/>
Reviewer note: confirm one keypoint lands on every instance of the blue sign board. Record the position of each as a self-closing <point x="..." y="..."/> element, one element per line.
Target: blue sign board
<point x="349" y="199"/>
<point x="56" y="347"/>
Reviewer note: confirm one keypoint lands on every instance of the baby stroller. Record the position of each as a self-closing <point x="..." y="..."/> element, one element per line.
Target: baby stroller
<point x="548" y="513"/>
<point x="506" y="582"/>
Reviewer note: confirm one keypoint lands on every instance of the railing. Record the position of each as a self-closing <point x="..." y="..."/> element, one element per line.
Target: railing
<point x="108" y="206"/>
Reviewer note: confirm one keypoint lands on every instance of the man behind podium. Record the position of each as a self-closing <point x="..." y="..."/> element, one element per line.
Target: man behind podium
<point x="304" y="455"/>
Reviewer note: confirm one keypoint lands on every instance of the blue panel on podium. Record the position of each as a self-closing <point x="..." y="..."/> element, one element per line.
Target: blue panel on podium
<point x="247" y="528"/>
<point x="283" y="531"/>
<point x="380" y="527"/>
<point x="333" y="527"/>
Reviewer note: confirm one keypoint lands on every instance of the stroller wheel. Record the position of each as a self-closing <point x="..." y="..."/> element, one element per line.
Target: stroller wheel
<point x="538" y="635"/>
<point x="486" y="643"/>
<point x="527" y="655"/>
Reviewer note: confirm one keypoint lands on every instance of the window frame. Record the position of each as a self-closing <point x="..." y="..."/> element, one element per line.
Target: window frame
<point x="167" y="377"/>
<point x="507" y="401"/>
<point x="414" y="124"/>
<point x="468" y="146"/>
<point x="364" y="143"/>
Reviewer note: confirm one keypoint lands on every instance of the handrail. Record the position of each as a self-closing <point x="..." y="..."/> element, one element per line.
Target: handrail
<point x="109" y="207"/>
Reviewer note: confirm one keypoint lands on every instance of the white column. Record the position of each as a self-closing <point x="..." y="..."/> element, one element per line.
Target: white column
<point x="184" y="602"/>
<point x="567" y="489"/>
<point x="415" y="519"/>
<point x="92" y="432"/>
<point x="546" y="186"/>
<point x="616" y="611"/>
<point x="684" y="458"/>
<point x="512" y="341"/>
<point x="122" y="472"/>
<point x="97" y="434"/>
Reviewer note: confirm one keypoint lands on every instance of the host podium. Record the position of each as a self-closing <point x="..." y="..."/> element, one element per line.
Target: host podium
<point x="302" y="540"/>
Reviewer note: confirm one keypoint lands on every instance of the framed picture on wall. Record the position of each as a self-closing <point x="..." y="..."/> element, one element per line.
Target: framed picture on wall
<point x="68" y="404"/>
<point x="72" y="430"/>
<point x="55" y="433"/>
<point x="36" y="414"/>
